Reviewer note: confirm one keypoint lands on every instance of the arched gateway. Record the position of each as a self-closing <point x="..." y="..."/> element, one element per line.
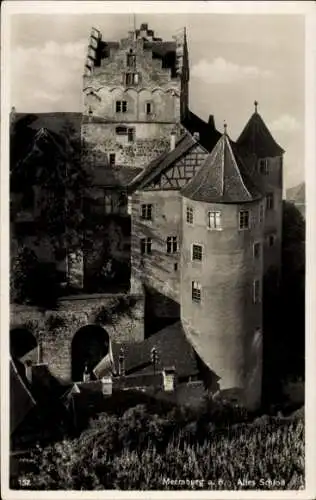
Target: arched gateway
<point x="89" y="345"/>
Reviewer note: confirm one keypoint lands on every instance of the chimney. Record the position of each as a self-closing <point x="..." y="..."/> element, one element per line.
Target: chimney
<point x="196" y="136"/>
<point x="211" y="122"/>
<point x="172" y="140"/>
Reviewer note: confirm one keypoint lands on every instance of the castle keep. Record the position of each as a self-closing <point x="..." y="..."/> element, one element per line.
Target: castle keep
<point x="196" y="215"/>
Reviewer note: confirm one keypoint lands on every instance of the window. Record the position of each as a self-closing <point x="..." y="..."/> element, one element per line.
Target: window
<point x="112" y="159"/>
<point x="175" y="266"/>
<point x="131" y="134"/>
<point x="256" y="291"/>
<point x="196" y="252"/>
<point x="244" y="219"/>
<point x="131" y="79"/>
<point x="189" y="215"/>
<point x="123" y="131"/>
<point x="108" y="203"/>
<point x="148" y="108"/>
<point x="214" y="220"/>
<point x="261" y="213"/>
<point x="172" y="244"/>
<point x="256" y="250"/>
<point x="131" y="60"/>
<point x="121" y="107"/>
<point x="270" y="201"/>
<point x="145" y="246"/>
<point x="196" y="291"/>
<point x="271" y="240"/>
<point x="146" y="213"/>
<point x="264" y="167"/>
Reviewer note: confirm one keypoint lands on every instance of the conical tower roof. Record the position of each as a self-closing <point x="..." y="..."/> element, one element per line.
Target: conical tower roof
<point x="257" y="139"/>
<point x="222" y="178"/>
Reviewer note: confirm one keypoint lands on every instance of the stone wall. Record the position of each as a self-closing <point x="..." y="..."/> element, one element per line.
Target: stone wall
<point x="56" y="329"/>
<point x="151" y="140"/>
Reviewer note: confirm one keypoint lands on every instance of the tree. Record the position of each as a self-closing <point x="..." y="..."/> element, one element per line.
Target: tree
<point x="53" y="166"/>
<point x="284" y="307"/>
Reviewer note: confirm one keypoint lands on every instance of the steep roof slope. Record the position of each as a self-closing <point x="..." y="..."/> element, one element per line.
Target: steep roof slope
<point x="163" y="161"/>
<point x="172" y="347"/>
<point x="222" y="178"/>
<point x="257" y="139"/>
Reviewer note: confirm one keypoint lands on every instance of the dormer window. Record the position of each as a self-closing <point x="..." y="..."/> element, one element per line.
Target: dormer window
<point x="131" y="79"/>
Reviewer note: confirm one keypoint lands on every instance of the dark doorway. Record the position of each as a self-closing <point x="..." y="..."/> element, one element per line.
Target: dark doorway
<point x="89" y="345"/>
<point x="22" y="341"/>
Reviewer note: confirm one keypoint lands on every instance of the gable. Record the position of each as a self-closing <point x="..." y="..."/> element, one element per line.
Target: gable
<point x="178" y="174"/>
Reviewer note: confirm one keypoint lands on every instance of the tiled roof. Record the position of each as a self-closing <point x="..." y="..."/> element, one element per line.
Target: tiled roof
<point x="172" y="347"/>
<point x="114" y="177"/>
<point x="222" y="178"/>
<point x="159" y="164"/>
<point x="209" y="135"/>
<point x="21" y="400"/>
<point x="257" y="139"/>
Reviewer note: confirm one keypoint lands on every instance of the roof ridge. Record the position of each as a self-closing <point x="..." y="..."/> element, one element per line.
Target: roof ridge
<point x="237" y="168"/>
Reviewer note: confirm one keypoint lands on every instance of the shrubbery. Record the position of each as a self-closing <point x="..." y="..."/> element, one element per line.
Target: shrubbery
<point x="32" y="281"/>
<point x="142" y="451"/>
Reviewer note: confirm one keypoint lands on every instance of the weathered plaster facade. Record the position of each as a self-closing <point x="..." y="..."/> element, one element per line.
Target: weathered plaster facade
<point x="222" y="326"/>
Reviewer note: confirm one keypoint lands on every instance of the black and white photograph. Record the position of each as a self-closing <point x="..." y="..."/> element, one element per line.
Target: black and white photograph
<point x="156" y="236"/>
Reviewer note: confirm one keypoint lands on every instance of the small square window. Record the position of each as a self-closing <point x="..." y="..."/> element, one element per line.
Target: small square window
<point x="131" y="79"/>
<point x="256" y="291"/>
<point x="270" y="201"/>
<point x="197" y="252"/>
<point x="172" y="244"/>
<point x="244" y="219"/>
<point x="189" y="215"/>
<point x="112" y="159"/>
<point x="214" y="220"/>
<point x="256" y="250"/>
<point x="196" y="291"/>
<point x="146" y="212"/>
<point x="145" y="246"/>
<point x="121" y="106"/>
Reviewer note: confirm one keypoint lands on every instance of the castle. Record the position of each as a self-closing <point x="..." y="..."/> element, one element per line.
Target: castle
<point x="205" y="212"/>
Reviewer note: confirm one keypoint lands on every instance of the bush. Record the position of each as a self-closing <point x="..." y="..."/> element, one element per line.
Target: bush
<point x="143" y="451"/>
<point x="32" y="281"/>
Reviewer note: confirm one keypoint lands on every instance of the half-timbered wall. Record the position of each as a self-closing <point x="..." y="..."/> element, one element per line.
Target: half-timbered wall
<point x="181" y="172"/>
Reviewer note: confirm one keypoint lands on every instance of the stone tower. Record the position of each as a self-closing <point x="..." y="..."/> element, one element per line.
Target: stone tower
<point x="265" y="158"/>
<point x="135" y="94"/>
<point x="221" y="271"/>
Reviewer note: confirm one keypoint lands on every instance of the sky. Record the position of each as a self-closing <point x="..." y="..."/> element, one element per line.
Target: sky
<point x="234" y="60"/>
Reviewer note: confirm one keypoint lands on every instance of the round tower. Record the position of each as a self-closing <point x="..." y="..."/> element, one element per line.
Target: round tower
<point x="221" y="273"/>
